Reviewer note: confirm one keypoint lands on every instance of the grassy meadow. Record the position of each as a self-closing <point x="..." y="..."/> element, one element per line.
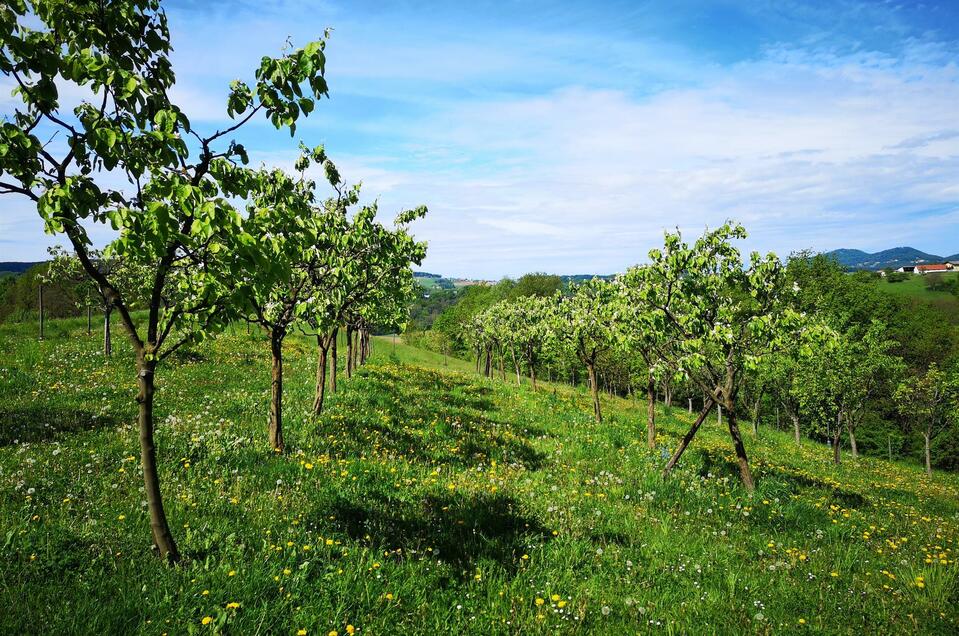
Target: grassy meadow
<point x="430" y="500"/>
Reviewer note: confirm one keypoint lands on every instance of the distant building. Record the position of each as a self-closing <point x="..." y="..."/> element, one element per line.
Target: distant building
<point x="934" y="268"/>
<point x="907" y="269"/>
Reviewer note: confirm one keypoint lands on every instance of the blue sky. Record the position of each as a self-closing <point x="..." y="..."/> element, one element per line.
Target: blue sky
<point x="567" y="137"/>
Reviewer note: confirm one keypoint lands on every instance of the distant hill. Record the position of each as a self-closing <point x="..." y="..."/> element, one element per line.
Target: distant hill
<point x="895" y="257"/>
<point x="14" y="268"/>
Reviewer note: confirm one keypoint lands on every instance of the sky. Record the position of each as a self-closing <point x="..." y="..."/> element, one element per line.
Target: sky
<point x="567" y="137"/>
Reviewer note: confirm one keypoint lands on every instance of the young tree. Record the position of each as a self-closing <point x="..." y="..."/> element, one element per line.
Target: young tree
<point x="176" y="211"/>
<point x="931" y="402"/>
<point x="587" y="322"/>
<point x="271" y="263"/>
<point x="720" y="318"/>
<point x="128" y="278"/>
<point x="643" y="334"/>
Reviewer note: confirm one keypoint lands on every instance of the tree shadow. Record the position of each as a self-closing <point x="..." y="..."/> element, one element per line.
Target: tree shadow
<point x="44" y="423"/>
<point x="459" y="529"/>
<point x="424" y="416"/>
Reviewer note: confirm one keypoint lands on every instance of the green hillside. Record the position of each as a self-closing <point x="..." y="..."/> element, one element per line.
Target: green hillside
<point x="915" y="286"/>
<point x="427" y="499"/>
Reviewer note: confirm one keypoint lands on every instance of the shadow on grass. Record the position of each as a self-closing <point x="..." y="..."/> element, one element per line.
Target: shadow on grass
<point x="460" y="529"/>
<point x="424" y="416"/>
<point x="44" y="423"/>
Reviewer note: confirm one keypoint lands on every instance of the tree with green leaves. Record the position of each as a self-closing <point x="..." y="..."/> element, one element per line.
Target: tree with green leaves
<point x="362" y="275"/>
<point x="65" y="266"/>
<point x="842" y="375"/>
<point x="587" y="322"/>
<point x="270" y="262"/>
<point x="175" y="213"/>
<point x="719" y="316"/>
<point x="644" y="337"/>
<point x="930" y="402"/>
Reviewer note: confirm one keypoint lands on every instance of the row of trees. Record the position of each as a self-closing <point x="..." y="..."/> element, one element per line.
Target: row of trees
<point x="204" y="239"/>
<point x="698" y="320"/>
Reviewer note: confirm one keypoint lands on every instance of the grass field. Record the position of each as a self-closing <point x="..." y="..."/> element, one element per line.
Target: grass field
<point x="915" y="287"/>
<point x="429" y="500"/>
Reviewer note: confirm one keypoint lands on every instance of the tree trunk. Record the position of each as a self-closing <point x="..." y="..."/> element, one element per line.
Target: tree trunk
<point x="107" y="340"/>
<point x="479" y="358"/>
<point x="89" y="320"/>
<point x="688" y="437"/>
<point x="349" y="352"/>
<point x="488" y="369"/>
<point x="928" y="438"/>
<point x="795" y="419"/>
<point x="516" y="366"/>
<point x="650" y="413"/>
<point x="594" y="389"/>
<point x="336" y="336"/>
<point x="321" y="361"/>
<point x="741" y="458"/>
<point x="852" y="441"/>
<point x="719" y="414"/>
<point x="532" y="376"/>
<point x="502" y="365"/>
<point x="160" y="528"/>
<point x="836" y="438"/>
<point x="759" y="399"/>
<point x="40" y="306"/>
<point x="690" y="406"/>
<point x="276" y="394"/>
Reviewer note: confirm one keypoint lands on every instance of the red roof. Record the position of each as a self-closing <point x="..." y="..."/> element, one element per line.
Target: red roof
<point x="940" y="267"/>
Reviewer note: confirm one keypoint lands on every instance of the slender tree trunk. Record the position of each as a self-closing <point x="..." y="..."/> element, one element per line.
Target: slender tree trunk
<point x="836" y="438"/>
<point x="489" y="362"/>
<point x="516" y="366"/>
<point x="336" y="336"/>
<point x="690" y="406"/>
<point x="719" y="414"/>
<point x="89" y="320"/>
<point x="107" y="339"/>
<point x="276" y="392"/>
<point x="479" y="357"/>
<point x="532" y="375"/>
<point x="160" y="528"/>
<point x="928" y="439"/>
<point x="669" y="397"/>
<point x="852" y="440"/>
<point x="594" y="390"/>
<point x="40" y="306"/>
<point x="688" y="437"/>
<point x="795" y="419"/>
<point x="321" y="362"/>
<point x="650" y="412"/>
<point x="502" y="364"/>
<point x="741" y="458"/>
<point x="759" y="399"/>
<point x="349" y="352"/>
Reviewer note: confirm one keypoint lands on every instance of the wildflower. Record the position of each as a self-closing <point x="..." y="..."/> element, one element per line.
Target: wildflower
<point x="232" y="605"/>
<point x="539" y="601"/>
<point x="301" y="632"/>
<point x="389" y="596"/>
<point x="802" y="621"/>
<point x="350" y="630"/>
<point x="554" y="597"/>
<point x="121" y="517"/>
<point x="207" y="620"/>
<point x="231" y="573"/>
<point x="333" y="632"/>
<point x="205" y="592"/>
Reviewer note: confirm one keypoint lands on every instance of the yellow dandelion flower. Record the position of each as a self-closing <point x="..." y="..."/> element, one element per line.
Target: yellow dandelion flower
<point x="207" y="620"/>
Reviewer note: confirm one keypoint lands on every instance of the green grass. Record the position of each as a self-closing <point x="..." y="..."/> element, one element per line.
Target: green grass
<point x="429" y="500"/>
<point x="915" y="287"/>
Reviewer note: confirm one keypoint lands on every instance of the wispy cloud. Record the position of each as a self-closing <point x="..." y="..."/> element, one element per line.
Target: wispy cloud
<point x="569" y="142"/>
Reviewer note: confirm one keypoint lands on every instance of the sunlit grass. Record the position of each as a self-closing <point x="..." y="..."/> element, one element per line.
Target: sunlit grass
<point x="430" y="500"/>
